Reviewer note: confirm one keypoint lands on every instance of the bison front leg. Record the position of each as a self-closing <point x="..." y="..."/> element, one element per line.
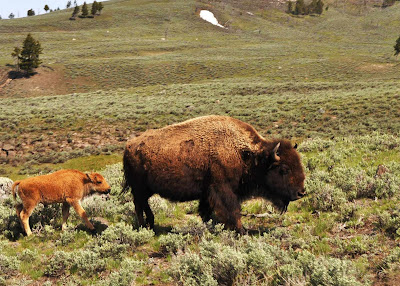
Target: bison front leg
<point x="142" y="205"/>
<point x="205" y="211"/>
<point x="81" y="212"/>
<point x="65" y="215"/>
<point x="226" y="207"/>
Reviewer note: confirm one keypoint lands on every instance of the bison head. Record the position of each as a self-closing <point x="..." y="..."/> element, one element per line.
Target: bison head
<point x="97" y="183"/>
<point x="282" y="175"/>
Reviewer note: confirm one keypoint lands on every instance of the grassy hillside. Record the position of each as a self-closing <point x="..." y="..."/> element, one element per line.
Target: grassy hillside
<point x="330" y="83"/>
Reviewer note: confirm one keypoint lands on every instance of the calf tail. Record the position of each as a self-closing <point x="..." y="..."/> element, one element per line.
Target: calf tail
<point x="14" y="189"/>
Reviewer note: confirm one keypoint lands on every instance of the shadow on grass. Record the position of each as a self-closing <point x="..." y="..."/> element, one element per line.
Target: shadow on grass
<point x="161" y="229"/>
<point x="99" y="227"/>
<point x="19" y="74"/>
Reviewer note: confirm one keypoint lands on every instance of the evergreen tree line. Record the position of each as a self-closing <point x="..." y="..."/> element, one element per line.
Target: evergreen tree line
<point x="96" y="9"/>
<point x="300" y="8"/>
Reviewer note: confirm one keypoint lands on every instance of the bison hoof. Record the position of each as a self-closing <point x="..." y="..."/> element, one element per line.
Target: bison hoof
<point x="242" y="231"/>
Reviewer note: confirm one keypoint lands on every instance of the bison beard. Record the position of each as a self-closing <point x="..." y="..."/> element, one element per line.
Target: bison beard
<point x="217" y="160"/>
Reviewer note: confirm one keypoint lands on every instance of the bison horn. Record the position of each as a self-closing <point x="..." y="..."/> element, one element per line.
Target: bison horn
<point x="275" y="152"/>
<point x="295" y="146"/>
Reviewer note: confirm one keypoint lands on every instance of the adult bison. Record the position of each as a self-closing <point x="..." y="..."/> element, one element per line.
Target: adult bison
<point x="65" y="186"/>
<point x="218" y="160"/>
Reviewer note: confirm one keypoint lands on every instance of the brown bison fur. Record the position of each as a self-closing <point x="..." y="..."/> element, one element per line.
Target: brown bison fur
<point x="68" y="187"/>
<point x="215" y="159"/>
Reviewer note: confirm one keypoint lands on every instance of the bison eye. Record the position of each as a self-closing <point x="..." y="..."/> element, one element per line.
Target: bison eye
<point x="284" y="171"/>
<point x="98" y="182"/>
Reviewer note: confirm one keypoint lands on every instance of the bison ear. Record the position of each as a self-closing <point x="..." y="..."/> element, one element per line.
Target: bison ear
<point x="89" y="179"/>
<point x="274" y="153"/>
<point x="295" y="146"/>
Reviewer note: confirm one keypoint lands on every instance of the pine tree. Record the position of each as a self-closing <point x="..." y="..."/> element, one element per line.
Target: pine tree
<point x="94" y="8"/>
<point x="100" y="7"/>
<point x="85" y="10"/>
<point x="299" y="8"/>
<point x="397" y="47"/>
<point x="290" y="7"/>
<point x="312" y="8"/>
<point x="319" y="7"/>
<point x="31" y="12"/>
<point x="16" y="54"/>
<point x="68" y="4"/>
<point x="29" y="58"/>
<point x="46" y="8"/>
<point x="11" y="16"/>
<point x="75" y="12"/>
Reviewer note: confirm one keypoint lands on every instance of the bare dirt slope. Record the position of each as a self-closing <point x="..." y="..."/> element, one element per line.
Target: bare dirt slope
<point x="48" y="80"/>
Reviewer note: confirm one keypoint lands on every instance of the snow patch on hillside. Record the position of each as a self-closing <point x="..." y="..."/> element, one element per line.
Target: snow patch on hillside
<point x="209" y="17"/>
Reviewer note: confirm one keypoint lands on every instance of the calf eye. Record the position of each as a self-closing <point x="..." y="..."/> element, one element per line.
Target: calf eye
<point x="98" y="182"/>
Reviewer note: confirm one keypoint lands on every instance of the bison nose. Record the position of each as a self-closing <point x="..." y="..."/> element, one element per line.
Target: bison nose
<point x="301" y="193"/>
<point x="108" y="191"/>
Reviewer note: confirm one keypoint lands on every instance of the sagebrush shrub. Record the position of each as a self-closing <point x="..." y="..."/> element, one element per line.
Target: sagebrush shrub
<point x="87" y="263"/>
<point x="8" y="265"/>
<point x="28" y="255"/>
<point x="121" y="233"/>
<point x="127" y="273"/>
<point x="58" y="264"/>
<point x="172" y="242"/>
<point x="389" y="221"/>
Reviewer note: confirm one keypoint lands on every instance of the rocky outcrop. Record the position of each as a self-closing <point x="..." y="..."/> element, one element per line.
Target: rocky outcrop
<point x="5" y="187"/>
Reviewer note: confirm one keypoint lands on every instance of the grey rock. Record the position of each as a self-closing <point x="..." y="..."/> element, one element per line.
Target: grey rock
<point x="5" y="187"/>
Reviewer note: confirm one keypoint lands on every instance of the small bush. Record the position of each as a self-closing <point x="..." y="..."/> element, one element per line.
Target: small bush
<point x="125" y="276"/>
<point x="122" y="233"/>
<point x="28" y="255"/>
<point x="172" y="242"/>
<point x="390" y="222"/>
<point x="87" y="263"/>
<point x="8" y="265"/>
<point x="58" y="264"/>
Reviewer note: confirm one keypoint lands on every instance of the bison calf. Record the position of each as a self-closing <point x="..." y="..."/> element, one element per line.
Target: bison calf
<point x="217" y="160"/>
<point x="68" y="187"/>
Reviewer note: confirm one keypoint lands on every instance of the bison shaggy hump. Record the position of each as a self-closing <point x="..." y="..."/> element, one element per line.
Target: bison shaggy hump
<point x="217" y="160"/>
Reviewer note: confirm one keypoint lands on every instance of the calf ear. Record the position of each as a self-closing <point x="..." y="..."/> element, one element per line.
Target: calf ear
<point x="89" y="179"/>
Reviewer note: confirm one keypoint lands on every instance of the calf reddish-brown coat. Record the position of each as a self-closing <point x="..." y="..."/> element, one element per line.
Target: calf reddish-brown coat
<point x="64" y="186"/>
<point x="215" y="159"/>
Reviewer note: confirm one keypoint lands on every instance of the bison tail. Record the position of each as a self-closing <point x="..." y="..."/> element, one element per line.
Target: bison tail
<point x="126" y="184"/>
<point x="14" y="189"/>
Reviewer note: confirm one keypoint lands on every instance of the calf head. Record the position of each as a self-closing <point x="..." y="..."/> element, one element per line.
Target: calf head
<point x="283" y="176"/>
<point x="97" y="183"/>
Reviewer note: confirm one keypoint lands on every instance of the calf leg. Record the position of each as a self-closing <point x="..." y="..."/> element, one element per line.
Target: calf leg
<point x="65" y="215"/>
<point x="19" y="208"/>
<point x="226" y="206"/>
<point x="81" y="212"/>
<point x="24" y="215"/>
